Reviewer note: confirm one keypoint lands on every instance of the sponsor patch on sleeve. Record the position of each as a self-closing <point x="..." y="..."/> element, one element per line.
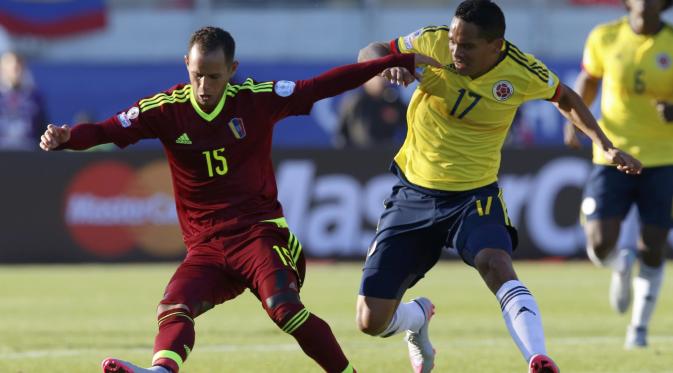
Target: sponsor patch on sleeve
<point x="123" y="120"/>
<point x="409" y="39"/>
<point x="284" y="88"/>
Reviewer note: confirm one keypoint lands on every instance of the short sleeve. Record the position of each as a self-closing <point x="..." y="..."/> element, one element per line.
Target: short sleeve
<point x="133" y="124"/>
<point x="420" y="41"/>
<point x="291" y="97"/>
<point x="544" y="84"/>
<point x="592" y="61"/>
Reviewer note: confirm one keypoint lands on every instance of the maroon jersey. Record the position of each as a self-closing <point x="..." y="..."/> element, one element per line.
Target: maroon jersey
<point x="221" y="166"/>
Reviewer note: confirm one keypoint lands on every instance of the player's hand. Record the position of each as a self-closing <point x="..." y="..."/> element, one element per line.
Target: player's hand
<point x="54" y="136"/>
<point x="570" y="136"/>
<point x="398" y="76"/>
<point x="402" y="76"/>
<point x="625" y="162"/>
<point x="665" y="111"/>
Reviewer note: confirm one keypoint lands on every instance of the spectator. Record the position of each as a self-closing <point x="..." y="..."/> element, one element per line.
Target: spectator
<point x="21" y="107"/>
<point x="372" y="116"/>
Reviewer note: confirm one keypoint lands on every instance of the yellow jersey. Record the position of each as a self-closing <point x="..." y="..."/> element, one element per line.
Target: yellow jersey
<point x="457" y="125"/>
<point x="637" y="71"/>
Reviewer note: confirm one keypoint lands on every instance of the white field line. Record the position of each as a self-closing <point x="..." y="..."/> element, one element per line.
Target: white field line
<point x="579" y="341"/>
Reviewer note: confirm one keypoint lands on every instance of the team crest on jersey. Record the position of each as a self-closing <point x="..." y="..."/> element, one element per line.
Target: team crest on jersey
<point x="237" y="128"/>
<point x="502" y="90"/>
<point x="663" y="61"/>
<point x="284" y="88"/>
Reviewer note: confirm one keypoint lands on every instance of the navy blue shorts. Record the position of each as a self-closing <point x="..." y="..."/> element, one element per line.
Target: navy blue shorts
<point x="609" y="193"/>
<point x="418" y="223"/>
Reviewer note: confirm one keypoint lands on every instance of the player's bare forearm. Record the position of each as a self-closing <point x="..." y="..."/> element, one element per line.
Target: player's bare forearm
<point x="586" y="87"/>
<point x="344" y="78"/>
<point x="373" y="51"/>
<point x="573" y="108"/>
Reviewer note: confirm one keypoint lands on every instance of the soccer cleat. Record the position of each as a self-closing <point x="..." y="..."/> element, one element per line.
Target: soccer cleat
<point x="542" y="364"/>
<point x="620" y="285"/>
<point x="111" y="365"/>
<point x="636" y="337"/>
<point x="421" y="352"/>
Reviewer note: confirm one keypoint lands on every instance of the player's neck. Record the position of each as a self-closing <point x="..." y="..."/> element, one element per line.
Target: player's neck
<point x="646" y="27"/>
<point x="490" y="67"/>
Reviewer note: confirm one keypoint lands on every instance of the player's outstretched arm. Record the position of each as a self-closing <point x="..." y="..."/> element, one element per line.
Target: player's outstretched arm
<point x="80" y="137"/>
<point x="54" y="137"/>
<point x="344" y="78"/>
<point x="586" y="87"/>
<point x="395" y="75"/>
<point x="571" y="106"/>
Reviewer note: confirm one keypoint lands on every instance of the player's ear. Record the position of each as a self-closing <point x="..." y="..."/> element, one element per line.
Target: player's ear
<point x="233" y="67"/>
<point x="186" y="60"/>
<point x="497" y="45"/>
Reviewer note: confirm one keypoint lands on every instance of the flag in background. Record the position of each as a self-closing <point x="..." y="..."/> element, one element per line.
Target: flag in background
<point x="53" y="18"/>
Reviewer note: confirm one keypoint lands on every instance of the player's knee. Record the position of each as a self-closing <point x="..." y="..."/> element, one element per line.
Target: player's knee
<point x="164" y="308"/>
<point x="599" y="251"/>
<point x="370" y="322"/>
<point x="490" y="261"/>
<point x="601" y="241"/>
<point x="171" y="314"/>
<point x="286" y="310"/>
<point x="370" y="325"/>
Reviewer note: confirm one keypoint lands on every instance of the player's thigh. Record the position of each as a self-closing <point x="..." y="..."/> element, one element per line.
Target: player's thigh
<point x="608" y="194"/>
<point x="607" y="199"/>
<point x="484" y="224"/>
<point x="396" y="262"/>
<point x="655" y="197"/>
<point x="270" y="261"/>
<point x="201" y="282"/>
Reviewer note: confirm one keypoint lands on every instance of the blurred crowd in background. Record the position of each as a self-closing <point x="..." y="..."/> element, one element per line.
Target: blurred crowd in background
<point x="82" y="60"/>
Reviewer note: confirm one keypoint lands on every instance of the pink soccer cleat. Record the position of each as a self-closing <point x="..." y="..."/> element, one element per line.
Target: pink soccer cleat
<point x="421" y="352"/>
<point x="542" y="364"/>
<point x="111" y="365"/>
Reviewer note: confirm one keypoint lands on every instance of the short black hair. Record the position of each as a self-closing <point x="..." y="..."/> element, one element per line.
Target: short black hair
<point x="485" y="14"/>
<point x="211" y="38"/>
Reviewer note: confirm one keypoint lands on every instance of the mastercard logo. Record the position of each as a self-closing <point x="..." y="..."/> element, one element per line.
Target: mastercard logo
<point x="112" y="209"/>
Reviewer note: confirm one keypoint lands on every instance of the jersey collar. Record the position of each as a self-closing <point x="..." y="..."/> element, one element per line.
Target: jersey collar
<point x="208" y="116"/>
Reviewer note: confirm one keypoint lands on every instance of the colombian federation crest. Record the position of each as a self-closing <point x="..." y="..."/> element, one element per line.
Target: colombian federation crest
<point x="663" y="60"/>
<point x="237" y="128"/>
<point x="502" y="90"/>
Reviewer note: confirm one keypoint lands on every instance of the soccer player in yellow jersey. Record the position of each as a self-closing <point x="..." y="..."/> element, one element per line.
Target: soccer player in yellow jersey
<point x="633" y="57"/>
<point x="447" y="194"/>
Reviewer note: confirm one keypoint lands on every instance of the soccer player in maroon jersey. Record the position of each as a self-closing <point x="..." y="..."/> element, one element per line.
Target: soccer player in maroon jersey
<point x="217" y="137"/>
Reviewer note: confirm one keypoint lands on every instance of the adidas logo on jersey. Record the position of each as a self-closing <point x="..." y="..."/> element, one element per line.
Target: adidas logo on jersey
<point x="183" y="139"/>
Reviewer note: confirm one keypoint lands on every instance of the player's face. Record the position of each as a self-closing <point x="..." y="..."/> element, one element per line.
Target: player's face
<point x="644" y="14"/>
<point x="209" y="74"/>
<point x="472" y="54"/>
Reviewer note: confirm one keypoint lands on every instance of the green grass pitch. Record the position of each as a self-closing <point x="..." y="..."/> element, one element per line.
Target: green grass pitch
<point x="68" y="318"/>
